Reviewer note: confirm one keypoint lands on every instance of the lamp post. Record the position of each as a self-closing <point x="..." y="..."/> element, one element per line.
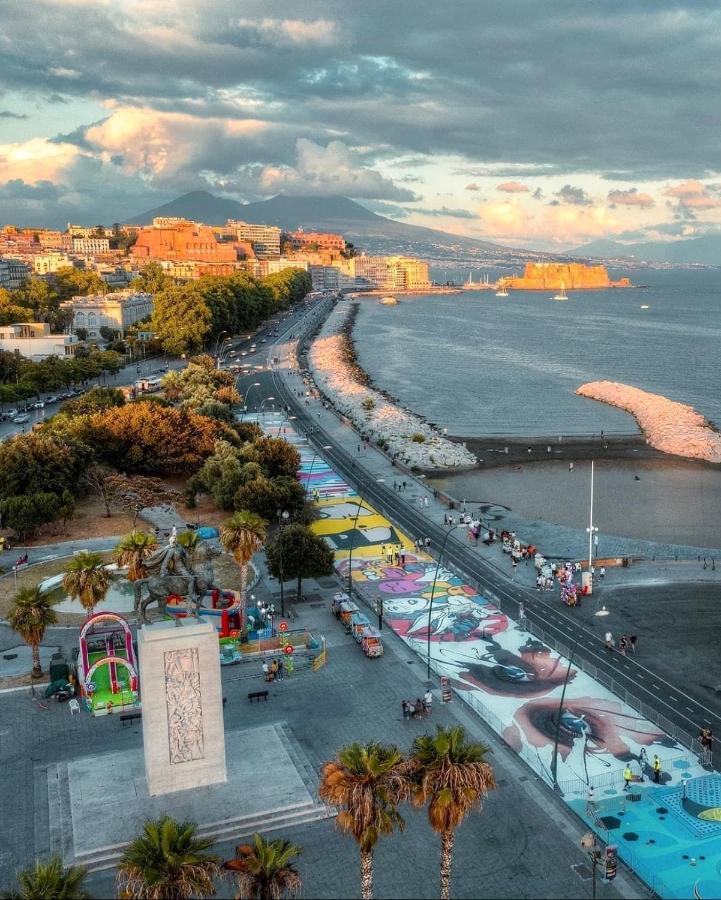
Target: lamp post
<point x="260" y="409"/>
<point x="283" y="517"/>
<point x="590" y="845"/>
<point x="350" y="554"/>
<point x="591" y="530"/>
<point x="433" y="593"/>
<point x="217" y="341"/>
<point x="316" y="456"/>
<point x="247" y="394"/>
<point x="222" y="353"/>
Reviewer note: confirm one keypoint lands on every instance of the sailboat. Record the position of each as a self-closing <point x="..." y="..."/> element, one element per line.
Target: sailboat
<point x="561" y="295"/>
<point x="502" y="291"/>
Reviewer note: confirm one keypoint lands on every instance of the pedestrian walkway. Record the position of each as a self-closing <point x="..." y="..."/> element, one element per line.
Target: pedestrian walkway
<point x="574" y="733"/>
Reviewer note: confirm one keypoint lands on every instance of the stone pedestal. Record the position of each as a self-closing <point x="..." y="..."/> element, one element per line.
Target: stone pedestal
<point x="180" y="691"/>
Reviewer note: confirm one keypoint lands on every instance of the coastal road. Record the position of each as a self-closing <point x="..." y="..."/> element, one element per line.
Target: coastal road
<point x="678" y="709"/>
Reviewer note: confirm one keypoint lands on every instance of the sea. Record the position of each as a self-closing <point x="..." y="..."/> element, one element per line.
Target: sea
<point x="481" y="365"/>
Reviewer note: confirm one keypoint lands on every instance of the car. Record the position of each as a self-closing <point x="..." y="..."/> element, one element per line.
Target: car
<point x="40" y="404"/>
<point x="11" y="413"/>
<point x="21" y="419"/>
<point x="243" y="352"/>
<point x="52" y="399"/>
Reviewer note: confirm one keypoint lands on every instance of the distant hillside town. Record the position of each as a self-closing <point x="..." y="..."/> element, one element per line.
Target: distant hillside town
<point x="58" y="289"/>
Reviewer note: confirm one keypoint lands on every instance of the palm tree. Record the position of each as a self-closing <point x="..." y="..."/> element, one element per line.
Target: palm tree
<point x="87" y="580"/>
<point x="243" y="534"/>
<point x="189" y="540"/>
<point x="366" y="782"/>
<point x="50" y="880"/>
<point x="265" y="870"/>
<point x="168" y="861"/>
<point x="31" y="613"/>
<point x="448" y="773"/>
<point x="131" y="553"/>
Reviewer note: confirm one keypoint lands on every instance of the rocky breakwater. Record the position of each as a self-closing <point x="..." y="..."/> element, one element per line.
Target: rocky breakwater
<point x="668" y="426"/>
<point x="401" y="434"/>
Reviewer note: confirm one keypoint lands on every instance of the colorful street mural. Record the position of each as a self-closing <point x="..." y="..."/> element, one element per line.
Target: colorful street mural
<point x="515" y="682"/>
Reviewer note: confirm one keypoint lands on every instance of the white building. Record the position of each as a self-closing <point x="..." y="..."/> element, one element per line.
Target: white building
<point x="117" y="311"/>
<point x="12" y="272"/>
<point x="34" y="340"/>
<point x="278" y="265"/>
<point x="49" y="263"/>
<point x="89" y="246"/>
<point x="264" y="238"/>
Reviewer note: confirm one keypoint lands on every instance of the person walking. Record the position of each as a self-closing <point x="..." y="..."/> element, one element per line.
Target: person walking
<point x="425" y="502"/>
<point x="602" y="572"/>
<point x="656" y="768"/>
<point x="608" y="640"/>
<point x="428" y="543"/>
<point x="428" y="702"/>
<point x="643" y="760"/>
<point x="627" y="777"/>
<point x="622" y="645"/>
<point x="632" y="643"/>
<point x="279" y="673"/>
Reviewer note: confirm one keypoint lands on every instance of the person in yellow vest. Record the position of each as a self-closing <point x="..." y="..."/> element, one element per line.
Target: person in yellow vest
<point x="656" y="769"/>
<point x="627" y="777"/>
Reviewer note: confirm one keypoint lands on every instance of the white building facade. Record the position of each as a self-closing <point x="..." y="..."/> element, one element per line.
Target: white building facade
<point x="34" y="341"/>
<point x="116" y="311"/>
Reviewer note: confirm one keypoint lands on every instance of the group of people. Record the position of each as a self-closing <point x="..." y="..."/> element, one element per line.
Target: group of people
<point x="626" y="643"/>
<point x="418" y="709"/>
<point x="273" y="671"/>
<point x="394" y="554"/>
<point x="422" y="544"/>
<point x="656" y="767"/>
<point x="705" y="738"/>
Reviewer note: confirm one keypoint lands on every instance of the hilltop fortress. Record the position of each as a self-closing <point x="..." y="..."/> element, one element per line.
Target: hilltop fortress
<point x="571" y="276"/>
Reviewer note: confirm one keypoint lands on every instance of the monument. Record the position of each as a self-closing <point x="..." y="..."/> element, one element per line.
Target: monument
<point x="183" y="730"/>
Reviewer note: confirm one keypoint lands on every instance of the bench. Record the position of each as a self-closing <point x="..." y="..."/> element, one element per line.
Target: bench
<point x="256" y="695"/>
<point x="130" y="716"/>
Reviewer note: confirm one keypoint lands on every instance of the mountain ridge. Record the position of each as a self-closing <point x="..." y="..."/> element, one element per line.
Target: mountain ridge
<point x="705" y="250"/>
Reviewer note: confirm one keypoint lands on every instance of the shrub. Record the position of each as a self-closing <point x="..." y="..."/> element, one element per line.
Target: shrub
<point x="418" y="438"/>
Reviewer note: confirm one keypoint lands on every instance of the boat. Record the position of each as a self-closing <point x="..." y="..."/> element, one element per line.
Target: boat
<point x="388" y="301"/>
<point x="503" y="292"/>
<point x="561" y="295"/>
<point x="644" y="306"/>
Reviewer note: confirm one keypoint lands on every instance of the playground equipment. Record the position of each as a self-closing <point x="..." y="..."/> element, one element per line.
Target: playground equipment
<point x="107" y="667"/>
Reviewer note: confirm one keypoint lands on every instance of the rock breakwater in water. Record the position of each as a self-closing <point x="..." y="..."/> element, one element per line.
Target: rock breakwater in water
<point x="669" y="426"/>
<point x="402" y="434"/>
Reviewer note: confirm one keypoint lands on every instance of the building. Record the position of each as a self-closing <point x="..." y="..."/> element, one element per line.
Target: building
<point x="265" y="239"/>
<point x="388" y="273"/>
<point x="278" y="265"/>
<point x="191" y="269"/>
<point x="316" y="240"/>
<point x="34" y="340"/>
<point x="13" y="272"/>
<point x="49" y="263"/>
<point x="182" y="241"/>
<point x="117" y="311"/>
<point x="88" y="246"/>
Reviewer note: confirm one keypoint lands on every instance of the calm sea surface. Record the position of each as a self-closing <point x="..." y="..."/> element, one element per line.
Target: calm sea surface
<point x="481" y="365"/>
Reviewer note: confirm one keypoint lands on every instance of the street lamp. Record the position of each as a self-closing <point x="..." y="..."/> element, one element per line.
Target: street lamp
<point x="316" y="456"/>
<point x="247" y="394"/>
<point x="260" y="409"/>
<point x="350" y="555"/>
<point x="591" y="530"/>
<point x="217" y="340"/>
<point x="590" y="845"/>
<point x="222" y="353"/>
<point x="283" y="517"/>
<point x="433" y="593"/>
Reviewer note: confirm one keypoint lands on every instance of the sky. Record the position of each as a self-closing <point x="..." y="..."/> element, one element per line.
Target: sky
<point x="538" y="124"/>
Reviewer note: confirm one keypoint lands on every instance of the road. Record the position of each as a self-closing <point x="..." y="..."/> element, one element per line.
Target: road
<point x="679" y="709"/>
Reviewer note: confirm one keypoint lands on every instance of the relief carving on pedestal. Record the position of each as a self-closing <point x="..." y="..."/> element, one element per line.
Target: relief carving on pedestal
<point x="184" y="704"/>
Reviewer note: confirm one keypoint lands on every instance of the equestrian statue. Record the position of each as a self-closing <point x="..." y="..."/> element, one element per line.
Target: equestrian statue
<point x="170" y="571"/>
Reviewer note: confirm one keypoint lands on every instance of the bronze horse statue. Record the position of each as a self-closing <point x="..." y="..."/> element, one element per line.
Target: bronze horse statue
<point x="170" y="572"/>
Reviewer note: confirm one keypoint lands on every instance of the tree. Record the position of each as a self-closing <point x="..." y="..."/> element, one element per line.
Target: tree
<point x="151" y="280"/>
<point x="49" y="880"/>
<point x="296" y="552"/>
<point x="168" y="861"/>
<point x="264" y="496"/>
<point x="131" y="553"/>
<point x="87" y="580"/>
<point x="95" y="479"/>
<point x="81" y="333"/>
<point x="366" y="782"/>
<point x="26" y="513"/>
<point x="181" y="319"/>
<point x="138" y="492"/>
<point x="97" y="399"/>
<point x="243" y="534"/>
<point x="265" y="870"/>
<point x="449" y="775"/>
<point x="70" y="282"/>
<point x="277" y="456"/>
<point x="31" y="613"/>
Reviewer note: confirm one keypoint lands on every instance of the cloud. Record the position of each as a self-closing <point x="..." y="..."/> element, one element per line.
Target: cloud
<point x="508" y="220"/>
<point x="7" y="114"/>
<point x="693" y="195"/>
<point x="445" y="211"/>
<point x="630" y="197"/>
<point x="473" y="186"/>
<point x="538" y="194"/>
<point x="35" y="160"/>
<point x="283" y="32"/>
<point x="333" y="169"/>
<point x="576" y="196"/>
<point x="512" y="187"/>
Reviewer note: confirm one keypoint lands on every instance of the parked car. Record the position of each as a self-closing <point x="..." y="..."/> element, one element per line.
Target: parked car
<point x="21" y="419"/>
<point x="52" y="399"/>
<point x="39" y="404"/>
<point x="11" y="413"/>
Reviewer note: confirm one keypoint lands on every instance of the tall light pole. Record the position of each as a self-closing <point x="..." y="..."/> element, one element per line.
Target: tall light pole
<point x="247" y="394"/>
<point x="316" y="456"/>
<point x="283" y="517"/>
<point x="590" y="845"/>
<point x="433" y="593"/>
<point x="259" y="410"/>
<point x="222" y="353"/>
<point x="217" y="340"/>
<point x="350" y="554"/>
<point x="591" y="531"/>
